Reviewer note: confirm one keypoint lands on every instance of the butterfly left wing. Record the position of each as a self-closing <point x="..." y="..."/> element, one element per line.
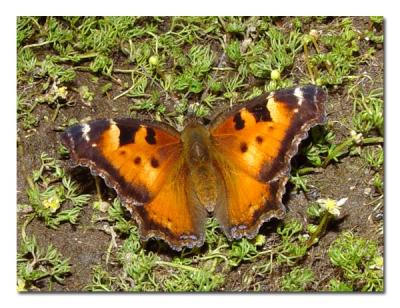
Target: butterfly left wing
<point x="142" y="161"/>
<point x="254" y="144"/>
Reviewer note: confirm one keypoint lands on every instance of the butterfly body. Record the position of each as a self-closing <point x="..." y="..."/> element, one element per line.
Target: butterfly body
<point x="204" y="181"/>
<point x="235" y="169"/>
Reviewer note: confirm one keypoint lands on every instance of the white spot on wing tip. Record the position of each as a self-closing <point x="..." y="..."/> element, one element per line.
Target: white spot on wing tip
<point x="315" y="96"/>
<point x="298" y="92"/>
<point x="85" y="131"/>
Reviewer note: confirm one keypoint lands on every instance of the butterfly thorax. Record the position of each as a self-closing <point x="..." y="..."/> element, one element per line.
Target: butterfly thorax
<point x="203" y="178"/>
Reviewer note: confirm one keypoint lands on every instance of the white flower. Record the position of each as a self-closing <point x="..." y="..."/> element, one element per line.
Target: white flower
<point x="357" y="138"/>
<point x="332" y="206"/>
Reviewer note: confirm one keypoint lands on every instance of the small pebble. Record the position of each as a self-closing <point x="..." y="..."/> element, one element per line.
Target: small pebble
<point x="367" y="191"/>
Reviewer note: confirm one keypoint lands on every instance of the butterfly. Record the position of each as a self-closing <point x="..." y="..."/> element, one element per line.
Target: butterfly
<point x="234" y="168"/>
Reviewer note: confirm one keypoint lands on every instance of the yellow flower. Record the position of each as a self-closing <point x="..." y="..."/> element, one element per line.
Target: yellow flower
<point x="275" y="74"/>
<point x="153" y="60"/>
<point x="21" y="285"/>
<point x="332" y="206"/>
<point x="259" y="240"/>
<point x="52" y="203"/>
<point x="62" y="92"/>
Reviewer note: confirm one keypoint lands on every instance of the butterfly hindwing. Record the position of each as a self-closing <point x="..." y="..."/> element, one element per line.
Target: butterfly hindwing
<point x="248" y="202"/>
<point x="173" y="215"/>
<point x="143" y="162"/>
<point x="256" y="141"/>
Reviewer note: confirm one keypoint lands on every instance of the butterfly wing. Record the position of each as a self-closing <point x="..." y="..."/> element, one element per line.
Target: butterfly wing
<point x="143" y="162"/>
<point x="255" y="143"/>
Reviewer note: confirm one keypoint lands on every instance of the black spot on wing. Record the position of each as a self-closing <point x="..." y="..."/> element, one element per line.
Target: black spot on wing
<point x="154" y="163"/>
<point x="68" y="138"/>
<point x="243" y="147"/>
<point x="151" y="136"/>
<point x="73" y="132"/>
<point x="260" y="112"/>
<point x="239" y="122"/>
<point x="127" y="133"/>
<point x="313" y="103"/>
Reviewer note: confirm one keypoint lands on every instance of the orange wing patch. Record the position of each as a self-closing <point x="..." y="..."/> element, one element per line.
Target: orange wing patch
<point x="257" y="143"/>
<point x="262" y="135"/>
<point x="140" y="162"/>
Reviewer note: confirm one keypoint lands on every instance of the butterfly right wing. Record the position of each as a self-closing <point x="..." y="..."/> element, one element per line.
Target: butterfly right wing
<point x="254" y="144"/>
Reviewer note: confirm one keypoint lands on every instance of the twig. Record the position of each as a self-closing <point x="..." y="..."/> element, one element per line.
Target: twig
<point x="37" y="44"/>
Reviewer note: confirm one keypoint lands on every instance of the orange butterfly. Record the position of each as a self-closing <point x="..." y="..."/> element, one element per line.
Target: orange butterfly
<point x="235" y="168"/>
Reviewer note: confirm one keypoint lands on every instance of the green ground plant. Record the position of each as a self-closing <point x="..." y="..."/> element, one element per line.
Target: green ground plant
<point x="297" y="279"/>
<point x="51" y="190"/>
<point x="35" y="264"/>
<point x="359" y="260"/>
